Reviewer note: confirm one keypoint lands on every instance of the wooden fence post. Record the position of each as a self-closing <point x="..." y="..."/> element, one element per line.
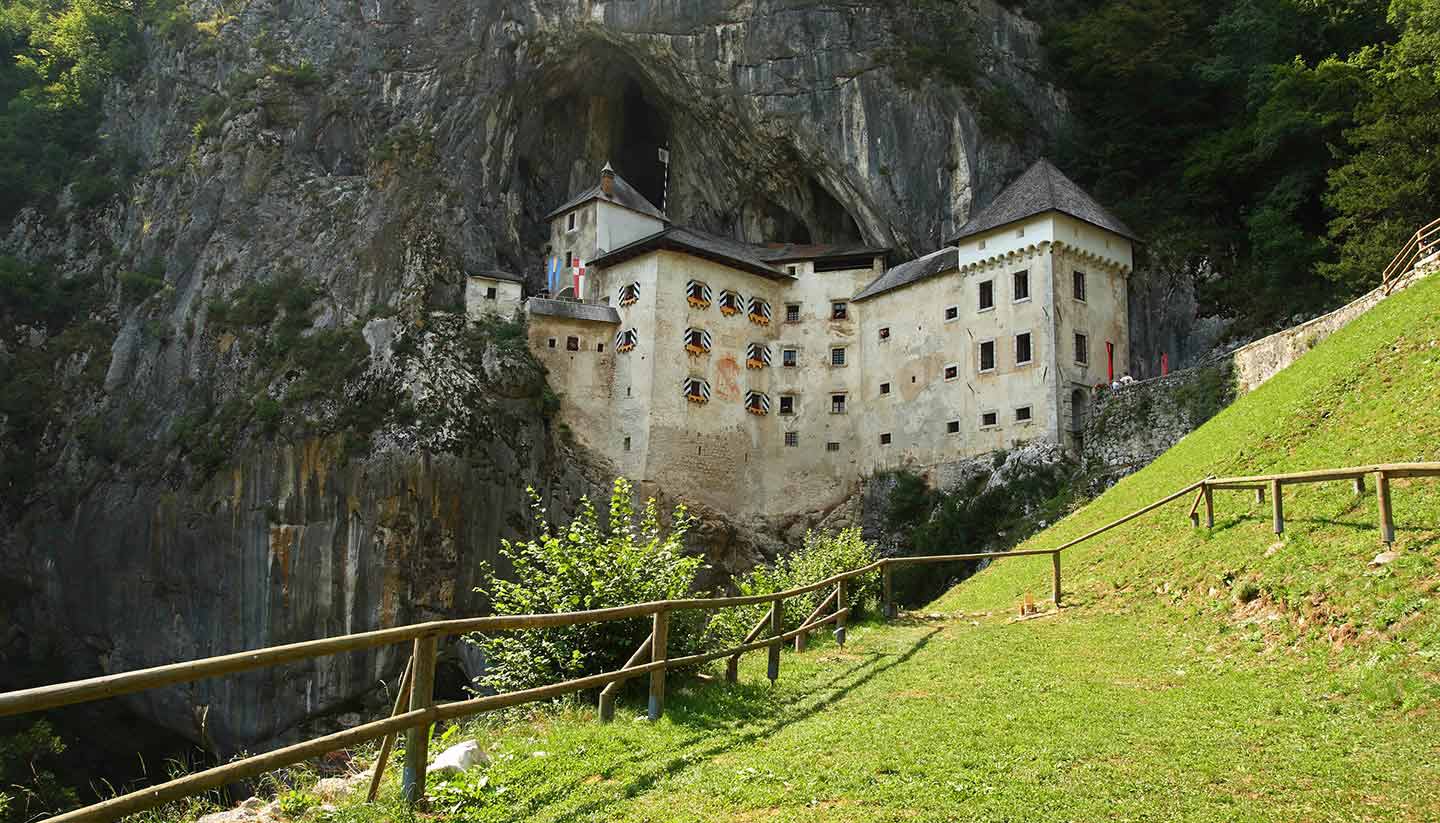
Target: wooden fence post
<point x="1387" y="520"/>
<point x="1209" y="507"/>
<point x="1279" y="506"/>
<point x="841" y="603"/>
<point x="417" y="740"/>
<point x="659" y="639"/>
<point x="1360" y="485"/>
<point x="607" y="694"/>
<point x="1259" y="495"/>
<point x="889" y="586"/>
<point x="777" y="610"/>
<point x="402" y="699"/>
<point x="1055" y="559"/>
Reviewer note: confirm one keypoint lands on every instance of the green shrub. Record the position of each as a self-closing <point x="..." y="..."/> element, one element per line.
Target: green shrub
<point x="136" y="286"/>
<point x="821" y="556"/>
<point x="586" y="566"/>
<point x="31" y="789"/>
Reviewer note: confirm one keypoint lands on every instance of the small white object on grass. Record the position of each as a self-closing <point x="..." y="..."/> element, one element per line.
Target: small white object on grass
<point x="460" y="757"/>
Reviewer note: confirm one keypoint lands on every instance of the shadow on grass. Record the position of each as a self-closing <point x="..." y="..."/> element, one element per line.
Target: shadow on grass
<point x="727" y="713"/>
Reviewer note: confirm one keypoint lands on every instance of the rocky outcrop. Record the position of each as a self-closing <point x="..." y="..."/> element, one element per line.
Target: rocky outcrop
<point x="263" y="424"/>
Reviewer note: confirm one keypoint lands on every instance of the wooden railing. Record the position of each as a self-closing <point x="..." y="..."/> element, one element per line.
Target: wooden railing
<point x="1422" y="243"/>
<point x="415" y="710"/>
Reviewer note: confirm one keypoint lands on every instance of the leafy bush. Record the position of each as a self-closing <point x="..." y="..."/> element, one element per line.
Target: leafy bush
<point x="584" y="566"/>
<point x="30" y="788"/>
<point x="821" y="556"/>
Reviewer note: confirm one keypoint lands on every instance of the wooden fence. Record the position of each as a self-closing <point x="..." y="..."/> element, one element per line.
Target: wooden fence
<point x="415" y="709"/>
<point x="1421" y="244"/>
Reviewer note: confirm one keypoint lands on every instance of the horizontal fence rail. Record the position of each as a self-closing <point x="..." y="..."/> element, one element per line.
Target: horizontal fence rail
<point x="414" y="710"/>
<point x="1421" y="244"/>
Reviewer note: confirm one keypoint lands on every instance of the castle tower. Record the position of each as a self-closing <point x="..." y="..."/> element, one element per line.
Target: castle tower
<point x="605" y="217"/>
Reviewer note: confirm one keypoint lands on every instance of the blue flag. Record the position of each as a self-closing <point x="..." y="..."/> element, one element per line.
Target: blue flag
<point x="554" y="274"/>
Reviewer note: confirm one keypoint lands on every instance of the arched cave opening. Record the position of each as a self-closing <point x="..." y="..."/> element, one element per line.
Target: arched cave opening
<point x="643" y="130"/>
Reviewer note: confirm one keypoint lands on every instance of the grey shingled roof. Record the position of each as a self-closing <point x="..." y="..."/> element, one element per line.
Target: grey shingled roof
<point x="499" y="275"/>
<point x="1040" y="189"/>
<point x="815" y="251"/>
<point x="939" y="262"/>
<point x="722" y="250"/>
<point x="573" y="310"/>
<point x="625" y="196"/>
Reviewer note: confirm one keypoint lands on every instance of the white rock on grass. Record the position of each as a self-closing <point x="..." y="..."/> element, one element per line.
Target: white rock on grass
<point x="459" y="758"/>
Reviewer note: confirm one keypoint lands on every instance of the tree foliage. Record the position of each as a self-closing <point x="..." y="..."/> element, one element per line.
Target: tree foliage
<point x="28" y="787"/>
<point x="583" y="566"/>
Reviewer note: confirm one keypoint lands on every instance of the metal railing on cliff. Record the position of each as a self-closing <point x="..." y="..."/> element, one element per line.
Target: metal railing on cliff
<point x="415" y="710"/>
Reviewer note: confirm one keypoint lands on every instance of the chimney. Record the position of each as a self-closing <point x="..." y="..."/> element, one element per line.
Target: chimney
<point x="607" y="181"/>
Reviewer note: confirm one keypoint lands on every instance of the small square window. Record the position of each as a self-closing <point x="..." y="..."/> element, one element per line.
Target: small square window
<point x="491" y="293"/>
<point x="987" y="356"/>
<point x="572" y="344"/>
<point x="987" y="295"/>
<point x="980" y="245"/>
<point x="787" y="404"/>
<point x="837" y="404"/>
<point x="989" y="420"/>
<point x="627" y="444"/>
<point x="884" y="388"/>
<point x="570" y="222"/>
<point x="1021" y="280"/>
<point x="1082" y="349"/>
<point x="839" y="311"/>
<point x="792" y="312"/>
<point x="832" y="447"/>
<point x="789" y="358"/>
<point x="792" y="438"/>
<point x="1022" y="349"/>
<point x="1080" y="286"/>
<point x="952" y="313"/>
<point x="952" y="372"/>
<point x="793" y="270"/>
<point x="837" y="356"/>
<point x="884" y="334"/>
<point x="552" y="342"/>
<point x="953" y="427"/>
<point x="885" y="439"/>
<point x="1022" y="414"/>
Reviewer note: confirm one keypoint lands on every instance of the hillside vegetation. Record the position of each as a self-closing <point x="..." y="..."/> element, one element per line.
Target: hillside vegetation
<point x="1195" y="675"/>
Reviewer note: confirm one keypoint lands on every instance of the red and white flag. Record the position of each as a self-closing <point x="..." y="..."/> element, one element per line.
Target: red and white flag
<point x="579" y="279"/>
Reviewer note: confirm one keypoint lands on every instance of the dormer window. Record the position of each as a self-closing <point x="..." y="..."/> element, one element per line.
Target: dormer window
<point x="626" y="340"/>
<point x="730" y="303"/>
<point x="697" y="341"/>
<point x="629" y="294"/>
<point x="570" y="222"/>
<point x="757" y="403"/>
<point x="697" y="294"/>
<point x="696" y="390"/>
<point x="757" y="356"/>
<point x="759" y="312"/>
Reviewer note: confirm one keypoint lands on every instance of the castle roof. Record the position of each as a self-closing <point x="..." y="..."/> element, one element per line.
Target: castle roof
<point x="816" y="251"/>
<point x="622" y="194"/>
<point x="937" y="262"/>
<point x="1041" y="189"/>
<point x="496" y="274"/>
<point x="722" y="250"/>
<point x="572" y="309"/>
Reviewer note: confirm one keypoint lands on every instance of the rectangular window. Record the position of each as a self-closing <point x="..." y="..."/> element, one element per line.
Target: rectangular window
<point x="627" y="444"/>
<point x="885" y="439"/>
<point x="952" y="372"/>
<point x="953" y="427"/>
<point x="987" y="356"/>
<point x="599" y="347"/>
<point x="952" y="313"/>
<point x="792" y="438"/>
<point x="1080" y="286"/>
<point x="832" y="447"/>
<point x="837" y="356"/>
<point x="793" y="270"/>
<point x="570" y="222"/>
<point x="839" y="311"/>
<point x="1022" y="285"/>
<point x="572" y="344"/>
<point x="1022" y="414"/>
<point x="884" y="334"/>
<point x="792" y="312"/>
<point x="1082" y="349"/>
<point x="490" y="293"/>
<point x="837" y="404"/>
<point x="884" y="388"/>
<point x="787" y="404"/>
<point x="989" y="420"/>
<point x="1022" y="349"/>
<point x="789" y="358"/>
<point x="552" y="342"/>
<point x="987" y="295"/>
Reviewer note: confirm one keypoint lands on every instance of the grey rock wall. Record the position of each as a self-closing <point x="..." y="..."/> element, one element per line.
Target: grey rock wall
<point x="1131" y="426"/>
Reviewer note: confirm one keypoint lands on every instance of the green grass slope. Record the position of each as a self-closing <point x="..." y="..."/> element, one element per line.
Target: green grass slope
<point x="1196" y="675"/>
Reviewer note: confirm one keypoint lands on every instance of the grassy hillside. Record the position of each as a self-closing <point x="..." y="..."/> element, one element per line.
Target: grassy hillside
<point x="1196" y="675"/>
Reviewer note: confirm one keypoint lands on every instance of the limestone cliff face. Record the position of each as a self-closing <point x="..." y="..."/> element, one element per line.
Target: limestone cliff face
<point x="328" y="172"/>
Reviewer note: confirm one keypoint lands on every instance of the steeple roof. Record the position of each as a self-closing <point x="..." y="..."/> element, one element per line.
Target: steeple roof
<point x="622" y="194"/>
<point x="1040" y="189"/>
